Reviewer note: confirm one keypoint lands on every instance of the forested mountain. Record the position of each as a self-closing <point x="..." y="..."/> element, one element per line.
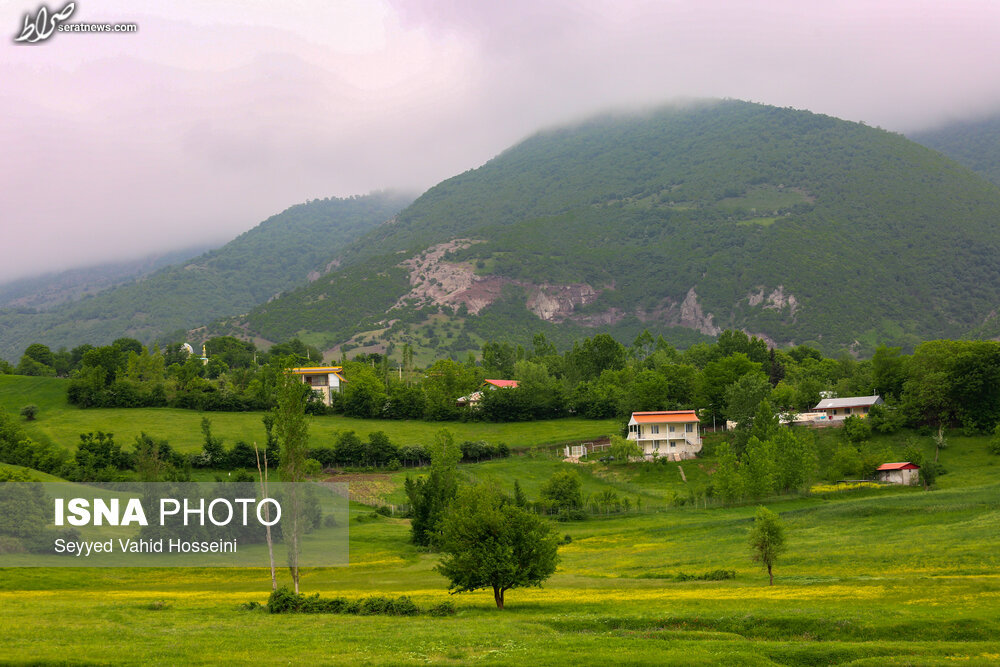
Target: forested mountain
<point x="975" y="143"/>
<point x="793" y="225"/>
<point x="49" y="290"/>
<point x="285" y="250"/>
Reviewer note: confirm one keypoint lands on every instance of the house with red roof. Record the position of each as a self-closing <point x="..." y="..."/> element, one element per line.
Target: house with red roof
<point x="672" y="434"/>
<point x="902" y="472"/>
<point x="473" y="399"/>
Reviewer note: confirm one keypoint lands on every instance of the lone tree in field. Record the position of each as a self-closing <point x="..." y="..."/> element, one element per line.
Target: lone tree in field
<point x="767" y="539"/>
<point x="489" y="542"/>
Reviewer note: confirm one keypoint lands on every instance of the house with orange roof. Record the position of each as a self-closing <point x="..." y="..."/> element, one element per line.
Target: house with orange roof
<point x="323" y="380"/>
<point x="472" y="400"/>
<point x="671" y="434"/>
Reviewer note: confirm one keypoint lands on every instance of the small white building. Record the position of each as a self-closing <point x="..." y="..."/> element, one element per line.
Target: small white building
<point x="672" y="434"/>
<point x="839" y="409"/>
<point x="324" y="380"/>
<point x="904" y="472"/>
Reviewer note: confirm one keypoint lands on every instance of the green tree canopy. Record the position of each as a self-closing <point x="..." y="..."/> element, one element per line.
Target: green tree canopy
<point x="488" y="542"/>
<point x="767" y="540"/>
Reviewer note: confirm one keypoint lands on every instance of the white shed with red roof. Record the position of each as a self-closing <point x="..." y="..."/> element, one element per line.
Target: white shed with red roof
<point x="903" y="472"/>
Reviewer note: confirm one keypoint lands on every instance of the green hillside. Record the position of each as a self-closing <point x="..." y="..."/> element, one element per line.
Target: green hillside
<point x="798" y="226"/>
<point x="975" y="144"/>
<point x="49" y="290"/>
<point x="274" y="256"/>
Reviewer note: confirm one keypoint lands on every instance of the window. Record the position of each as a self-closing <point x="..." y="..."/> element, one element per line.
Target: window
<point x="656" y="446"/>
<point x="834" y="413"/>
<point x="673" y="444"/>
<point x="689" y="428"/>
<point x="655" y="428"/>
<point x="671" y="428"/>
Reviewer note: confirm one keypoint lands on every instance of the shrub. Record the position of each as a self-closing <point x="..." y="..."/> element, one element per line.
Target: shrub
<point x="857" y="429"/>
<point x="29" y="412"/>
<point x="312" y="468"/>
<point x="283" y="601"/>
<point x="571" y="515"/>
<point x="446" y="608"/>
<point x="383" y="606"/>
<point x="995" y="441"/>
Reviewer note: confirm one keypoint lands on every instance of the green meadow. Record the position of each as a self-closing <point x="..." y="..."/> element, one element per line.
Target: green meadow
<point x="62" y="424"/>
<point x="894" y="576"/>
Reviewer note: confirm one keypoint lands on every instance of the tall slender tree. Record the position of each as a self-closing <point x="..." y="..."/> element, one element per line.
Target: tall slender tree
<point x="292" y="431"/>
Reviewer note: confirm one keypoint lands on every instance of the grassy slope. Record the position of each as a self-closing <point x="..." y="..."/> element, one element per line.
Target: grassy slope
<point x="62" y="423"/>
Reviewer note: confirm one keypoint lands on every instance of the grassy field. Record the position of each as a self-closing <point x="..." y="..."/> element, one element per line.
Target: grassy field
<point x="901" y="579"/>
<point x="62" y="424"/>
<point x="896" y="576"/>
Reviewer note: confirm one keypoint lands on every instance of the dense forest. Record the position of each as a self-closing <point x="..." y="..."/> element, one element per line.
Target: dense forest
<point x="47" y="291"/>
<point x="796" y="226"/>
<point x="974" y="143"/>
<point x="276" y="255"/>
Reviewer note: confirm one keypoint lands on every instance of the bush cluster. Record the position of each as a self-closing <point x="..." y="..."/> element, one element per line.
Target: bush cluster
<point x="286" y="601"/>
<point x="349" y="451"/>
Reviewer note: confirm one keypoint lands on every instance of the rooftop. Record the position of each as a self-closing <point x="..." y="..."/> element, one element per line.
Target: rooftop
<point x="902" y="465"/>
<point x="665" y="416"/>
<point x="512" y="384"/>
<point x="847" y="402"/>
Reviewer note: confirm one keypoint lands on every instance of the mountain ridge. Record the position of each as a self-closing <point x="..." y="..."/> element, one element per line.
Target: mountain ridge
<point x="286" y="249"/>
<point x="723" y="215"/>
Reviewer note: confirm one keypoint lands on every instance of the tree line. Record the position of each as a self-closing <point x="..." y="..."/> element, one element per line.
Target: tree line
<point x="943" y="383"/>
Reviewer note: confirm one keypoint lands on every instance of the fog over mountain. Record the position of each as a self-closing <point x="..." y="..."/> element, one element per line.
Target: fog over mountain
<point x="212" y="116"/>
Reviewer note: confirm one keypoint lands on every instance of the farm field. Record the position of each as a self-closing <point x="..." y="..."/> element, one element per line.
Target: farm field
<point x="892" y="576"/>
<point x="900" y="579"/>
<point x="61" y="423"/>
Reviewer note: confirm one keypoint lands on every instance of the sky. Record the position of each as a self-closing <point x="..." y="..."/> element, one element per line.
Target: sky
<point x="216" y="114"/>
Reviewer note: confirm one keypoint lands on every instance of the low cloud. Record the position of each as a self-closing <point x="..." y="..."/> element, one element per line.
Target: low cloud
<point x="211" y="118"/>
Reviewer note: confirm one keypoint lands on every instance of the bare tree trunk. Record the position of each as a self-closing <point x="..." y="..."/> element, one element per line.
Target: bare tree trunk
<point x="770" y="575"/>
<point x="293" y="553"/>
<point x="498" y="596"/>
<point x="262" y="477"/>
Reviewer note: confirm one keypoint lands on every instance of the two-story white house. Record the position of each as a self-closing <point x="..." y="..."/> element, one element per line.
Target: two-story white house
<point x="324" y="380"/>
<point x="672" y="434"/>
